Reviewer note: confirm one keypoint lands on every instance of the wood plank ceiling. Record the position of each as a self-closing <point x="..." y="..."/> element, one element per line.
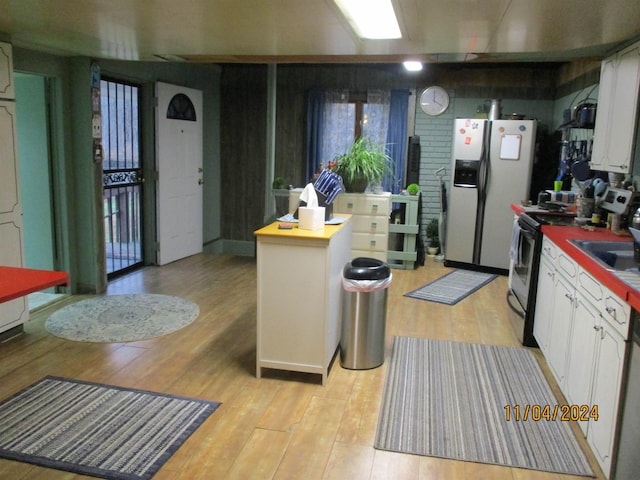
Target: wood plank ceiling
<point x="286" y="31"/>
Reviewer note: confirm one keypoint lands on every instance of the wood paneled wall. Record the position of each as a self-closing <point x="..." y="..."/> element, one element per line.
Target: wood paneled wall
<point x="243" y="127"/>
<point x="243" y="117"/>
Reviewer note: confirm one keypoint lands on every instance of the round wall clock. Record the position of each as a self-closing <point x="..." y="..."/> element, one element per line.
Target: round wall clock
<point x="434" y="100"/>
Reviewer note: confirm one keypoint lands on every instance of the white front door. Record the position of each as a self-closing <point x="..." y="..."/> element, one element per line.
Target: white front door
<point x="179" y="160"/>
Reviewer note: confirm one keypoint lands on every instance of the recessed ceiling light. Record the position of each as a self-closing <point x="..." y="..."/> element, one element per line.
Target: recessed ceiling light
<point x="412" y="66"/>
<point x="373" y="19"/>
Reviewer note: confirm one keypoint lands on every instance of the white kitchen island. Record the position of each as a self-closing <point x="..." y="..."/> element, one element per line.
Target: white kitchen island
<point x="300" y="296"/>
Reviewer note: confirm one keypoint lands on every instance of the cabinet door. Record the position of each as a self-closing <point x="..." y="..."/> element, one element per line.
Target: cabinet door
<point x="624" y="109"/>
<point x="544" y="305"/>
<point x="582" y="347"/>
<point x="606" y="394"/>
<point x="563" y="306"/>
<point x="6" y="71"/>
<point x="15" y="312"/>
<point x="604" y="113"/>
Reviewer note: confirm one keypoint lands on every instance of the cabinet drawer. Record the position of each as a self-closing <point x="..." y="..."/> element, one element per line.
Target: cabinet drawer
<point x="369" y="241"/>
<point x="549" y="249"/>
<point x="382" y="256"/>
<point x="567" y="266"/>
<point x="374" y="205"/>
<point x="370" y="224"/>
<point x="363" y="204"/>
<point x="618" y="313"/>
<point x="591" y="288"/>
<point x="611" y="307"/>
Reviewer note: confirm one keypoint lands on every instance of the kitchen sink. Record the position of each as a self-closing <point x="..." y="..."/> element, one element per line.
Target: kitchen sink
<point x="615" y="256"/>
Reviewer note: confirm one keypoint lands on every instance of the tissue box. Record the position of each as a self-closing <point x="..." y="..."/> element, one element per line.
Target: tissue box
<point x="311" y="218"/>
<point x="322" y="202"/>
<point x="563" y="196"/>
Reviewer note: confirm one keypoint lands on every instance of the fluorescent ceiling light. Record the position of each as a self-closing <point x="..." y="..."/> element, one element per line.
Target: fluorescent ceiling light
<point x="412" y="66"/>
<point x="374" y="19"/>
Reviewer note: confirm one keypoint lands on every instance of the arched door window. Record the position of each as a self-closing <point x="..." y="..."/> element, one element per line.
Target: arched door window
<point x="181" y="108"/>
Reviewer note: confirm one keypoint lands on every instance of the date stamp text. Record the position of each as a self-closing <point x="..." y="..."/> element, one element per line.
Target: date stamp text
<point x="537" y="413"/>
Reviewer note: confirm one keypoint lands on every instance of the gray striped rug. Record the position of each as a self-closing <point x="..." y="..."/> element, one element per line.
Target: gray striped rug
<point x="452" y="287"/>
<point x="98" y="430"/>
<point x="447" y="399"/>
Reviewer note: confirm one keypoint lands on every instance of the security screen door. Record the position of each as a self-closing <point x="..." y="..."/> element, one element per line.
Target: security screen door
<point x="179" y="162"/>
<point x="122" y="175"/>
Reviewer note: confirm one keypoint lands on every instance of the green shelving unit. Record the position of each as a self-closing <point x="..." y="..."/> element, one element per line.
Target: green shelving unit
<point x="406" y="257"/>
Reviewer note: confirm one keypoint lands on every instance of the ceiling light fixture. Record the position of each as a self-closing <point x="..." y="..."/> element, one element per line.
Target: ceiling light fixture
<point x="412" y="66"/>
<point x="372" y="19"/>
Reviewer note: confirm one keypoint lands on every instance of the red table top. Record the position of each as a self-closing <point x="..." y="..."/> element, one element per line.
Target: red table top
<point x="16" y="282"/>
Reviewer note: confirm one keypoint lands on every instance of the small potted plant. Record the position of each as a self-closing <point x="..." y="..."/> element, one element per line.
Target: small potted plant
<point x="364" y="163"/>
<point x="433" y="236"/>
<point x="413" y="189"/>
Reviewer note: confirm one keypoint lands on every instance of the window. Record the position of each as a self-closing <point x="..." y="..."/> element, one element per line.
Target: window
<point x="336" y="118"/>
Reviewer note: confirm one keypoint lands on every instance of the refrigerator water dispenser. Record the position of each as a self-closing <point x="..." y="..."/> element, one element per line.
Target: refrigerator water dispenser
<point x="466" y="173"/>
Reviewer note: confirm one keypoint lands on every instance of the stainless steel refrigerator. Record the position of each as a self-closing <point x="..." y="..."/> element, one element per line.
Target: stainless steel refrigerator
<point x="491" y="169"/>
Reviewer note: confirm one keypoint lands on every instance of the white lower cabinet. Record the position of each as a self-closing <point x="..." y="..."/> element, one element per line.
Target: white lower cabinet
<point x="560" y="328"/>
<point x="581" y="356"/>
<point x="546" y="287"/>
<point x="582" y="328"/>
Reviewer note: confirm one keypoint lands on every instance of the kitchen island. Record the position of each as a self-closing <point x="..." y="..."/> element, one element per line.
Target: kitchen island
<point x="300" y="296"/>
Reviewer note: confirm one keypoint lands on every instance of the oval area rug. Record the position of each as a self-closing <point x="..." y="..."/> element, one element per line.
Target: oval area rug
<point x="122" y="318"/>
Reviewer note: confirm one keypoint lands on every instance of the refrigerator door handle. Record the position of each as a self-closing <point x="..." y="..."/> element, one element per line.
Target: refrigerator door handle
<point x="483" y="175"/>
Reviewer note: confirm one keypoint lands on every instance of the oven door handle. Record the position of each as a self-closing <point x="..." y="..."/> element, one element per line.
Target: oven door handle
<point x="518" y="311"/>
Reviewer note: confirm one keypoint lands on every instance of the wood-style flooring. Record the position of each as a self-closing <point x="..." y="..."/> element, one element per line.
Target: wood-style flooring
<point x="285" y="425"/>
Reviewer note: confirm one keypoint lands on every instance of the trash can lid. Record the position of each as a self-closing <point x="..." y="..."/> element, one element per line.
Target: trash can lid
<point x="363" y="268"/>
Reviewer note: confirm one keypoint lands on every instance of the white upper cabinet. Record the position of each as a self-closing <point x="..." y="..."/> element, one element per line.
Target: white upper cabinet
<point x="617" y="111"/>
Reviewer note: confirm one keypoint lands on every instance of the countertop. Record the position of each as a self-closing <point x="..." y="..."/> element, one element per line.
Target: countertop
<point x="325" y="233"/>
<point x="560" y="235"/>
<point x="16" y="282"/>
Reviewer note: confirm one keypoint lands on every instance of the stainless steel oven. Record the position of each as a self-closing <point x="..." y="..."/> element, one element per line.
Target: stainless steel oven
<point x="523" y="272"/>
<point x="523" y="276"/>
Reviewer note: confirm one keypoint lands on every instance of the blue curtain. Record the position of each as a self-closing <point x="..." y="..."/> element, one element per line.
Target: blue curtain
<point x="315" y="115"/>
<point x="397" y="138"/>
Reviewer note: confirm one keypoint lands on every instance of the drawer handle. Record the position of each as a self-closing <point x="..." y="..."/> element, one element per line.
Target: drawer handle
<point x="611" y="311"/>
<point x="374" y="225"/>
<point x="374" y="206"/>
<point x="373" y="243"/>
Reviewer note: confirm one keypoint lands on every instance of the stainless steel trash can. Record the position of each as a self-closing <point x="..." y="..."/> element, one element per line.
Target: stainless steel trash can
<point x="364" y="313"/>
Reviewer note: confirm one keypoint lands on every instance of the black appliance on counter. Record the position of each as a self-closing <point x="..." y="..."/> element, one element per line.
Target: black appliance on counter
<point x="523" y="274"/>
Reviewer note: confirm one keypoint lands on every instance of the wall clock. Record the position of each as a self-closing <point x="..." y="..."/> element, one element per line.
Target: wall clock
<point x="434" y="100"/>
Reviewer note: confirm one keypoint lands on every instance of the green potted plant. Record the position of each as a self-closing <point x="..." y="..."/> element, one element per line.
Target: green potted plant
<point x="362" y="164"/>
<point x="413" y="189"/>
<point x="433" y="236"/>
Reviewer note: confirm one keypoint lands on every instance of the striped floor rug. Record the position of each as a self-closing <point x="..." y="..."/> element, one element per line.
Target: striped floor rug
<point x="448" y="399"/>
<point x="452" y="287"/>
<point x="98" y="430"/>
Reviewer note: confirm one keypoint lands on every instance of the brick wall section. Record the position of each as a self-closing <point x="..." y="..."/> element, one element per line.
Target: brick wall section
<point x="435" y="152"/>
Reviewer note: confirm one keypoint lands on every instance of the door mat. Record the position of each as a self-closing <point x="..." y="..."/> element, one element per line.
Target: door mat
<point x="452" y="287"/>
<point x="98" y="430"/>
<point x="457" y="400"/>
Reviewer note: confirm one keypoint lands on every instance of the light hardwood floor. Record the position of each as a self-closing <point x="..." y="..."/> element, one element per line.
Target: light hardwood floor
<point x="285" y="425"/>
